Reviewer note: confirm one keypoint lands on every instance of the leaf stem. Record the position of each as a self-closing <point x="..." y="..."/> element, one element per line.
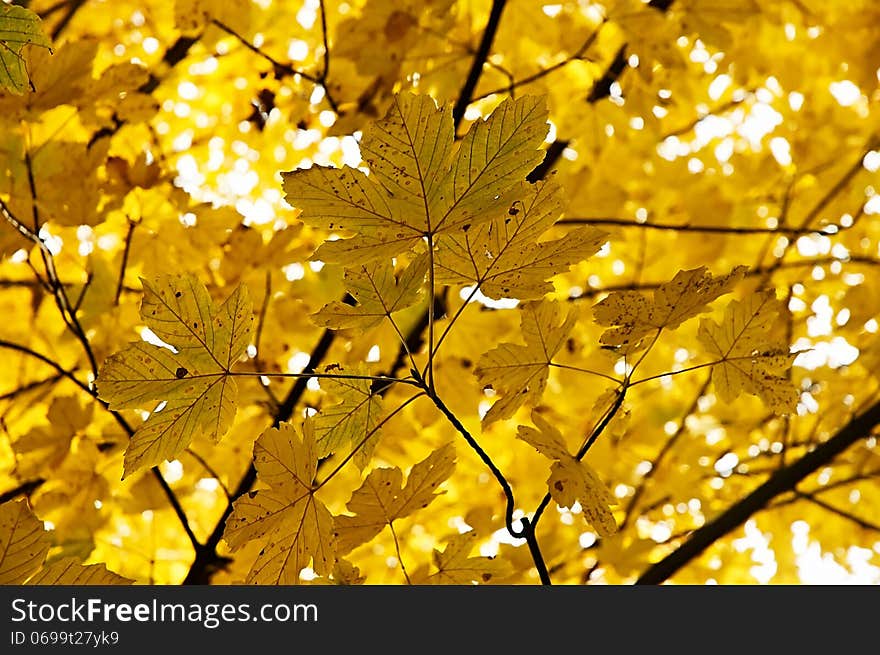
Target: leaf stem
<point x="366" y="438"/>
<point x="308" y="375"/>
<point x="582" y="451"/>
<point x="586" y="370"/>
<point x="431" y="292"/>
<point x="458" y="313"/>
<point x="399" y="556"/>
<point x="528" y="530"/>
<point x="125" y="252"/>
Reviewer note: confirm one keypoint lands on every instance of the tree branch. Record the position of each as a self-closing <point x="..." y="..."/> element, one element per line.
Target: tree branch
<point x="687" y="227"/>
<point x="578" y="54"/>
<point x="73" y="7"/>
<point x="282" y="69"/>
<point x="782" y="481"/>
<point x="26" y="488"/>
<point x="602" y="87"/>
<point x="470" y="83"/>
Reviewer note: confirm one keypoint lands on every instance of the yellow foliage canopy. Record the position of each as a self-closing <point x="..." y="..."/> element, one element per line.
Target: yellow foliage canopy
<point x="435" y="293"/>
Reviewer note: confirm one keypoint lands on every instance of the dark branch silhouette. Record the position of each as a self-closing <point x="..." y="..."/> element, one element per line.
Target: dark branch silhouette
<point x="782" y="481"/>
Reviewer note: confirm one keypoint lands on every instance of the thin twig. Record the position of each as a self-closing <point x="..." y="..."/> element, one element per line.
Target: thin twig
<point x="281" y="69"/>
<point x="473" y="77"/>
<point x="710" y="229"/>
<point x="781" y="481"/>
<point x="61" y="25"/>
<point x="172" y="498"/>
<point x="578" y="55"/>
<point x="9" y="395"/>
<point x="25" y="488"/>
<point x="125" y="252"/>
<point x="528" y="530"/>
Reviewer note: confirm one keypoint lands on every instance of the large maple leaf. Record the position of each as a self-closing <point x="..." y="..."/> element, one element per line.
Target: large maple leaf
<point x="419" y="186"/>
<point x="518" y="373"/>
<point x="295" y="526"/>
<point x="504" y="258"/>
<point x="192" y="382"/>
<point x="383" y="497"/>
<point x="752" y="351"/>
<point x="633" y="317"/>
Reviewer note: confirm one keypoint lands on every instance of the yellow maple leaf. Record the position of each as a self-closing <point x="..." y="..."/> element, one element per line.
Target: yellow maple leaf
<point x="634" y="317"/>
<point x="65" y="78"/>
<point x="190" y="16"/>
<point x="753" y="352"/>
<point x="296" y="527"/>
<point x="419" y="186"/>
<point x="44" y="448"/>
<point x="379" y="293"/>
<point x="70" y="571"/>
<point x="571" y="479"/>
<point x="352" y="420"/>
<point x="193" y="382"/>
<point x="383" y="498"/>
<point x="504" y="258"/>
<point x="23" y="543"/>
<point x="455" y="566"/>
<point x="19" y="27"/>
<point x="518" y="373"/>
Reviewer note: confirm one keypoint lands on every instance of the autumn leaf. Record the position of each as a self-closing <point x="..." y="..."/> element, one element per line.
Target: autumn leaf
<point x="504" y="256"/>
<point x="518" y="373"/>
<point x="383" y="497"/>
<point x="419" y="186"/>
<point x="19" y="27"/>
<point x="69" y="571"/>
<point x="379" y="293"/>
<point x="23" y="543"/>
<point x="518" y="204"/>
<point x="455" y="566"/>
<point x="344" y="574"/>
<point x="634" y="317"/>
<point x="352" y="420"/>
<point x="193" y="15"/>
<point x="66" y="78"/>
<point x="571" y="480"/>
<point x="45" y="447"/>
<point x="193" y="382"/>
<point x="295" y="527"/>
<point x="752" y="351"/>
